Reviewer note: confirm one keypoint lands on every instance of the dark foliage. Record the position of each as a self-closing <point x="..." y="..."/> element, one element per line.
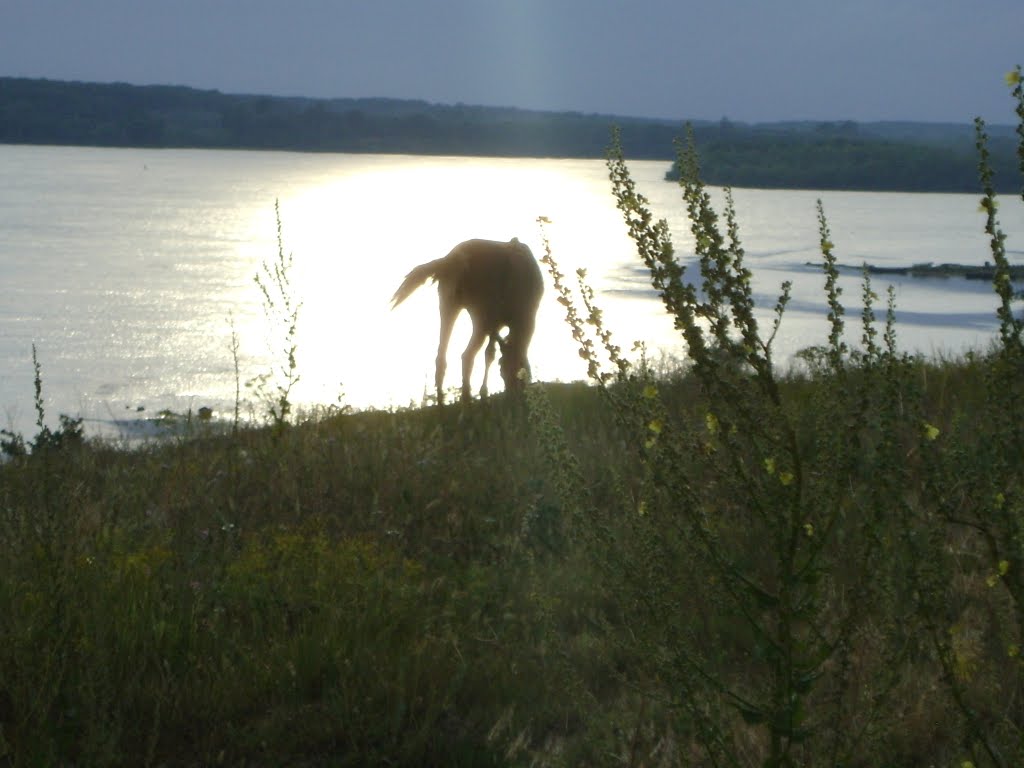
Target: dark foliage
<point x="843" y="155"/>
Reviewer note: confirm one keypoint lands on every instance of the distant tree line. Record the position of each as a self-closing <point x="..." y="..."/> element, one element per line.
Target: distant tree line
<point x="826" y="160"/>
<point x="876" y="156"/>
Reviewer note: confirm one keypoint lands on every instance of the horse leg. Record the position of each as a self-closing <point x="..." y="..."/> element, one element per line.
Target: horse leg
<point x="488" y="359"/>
<point x="448" y="315"/>
<point x="472" y="350"/>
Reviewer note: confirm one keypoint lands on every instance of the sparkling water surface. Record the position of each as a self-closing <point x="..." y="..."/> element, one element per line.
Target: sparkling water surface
<point x="132" y="270"/>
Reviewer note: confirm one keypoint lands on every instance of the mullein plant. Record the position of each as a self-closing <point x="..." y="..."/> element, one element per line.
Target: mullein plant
<point x="975" y="486"/>
<point x="747" y="571"/>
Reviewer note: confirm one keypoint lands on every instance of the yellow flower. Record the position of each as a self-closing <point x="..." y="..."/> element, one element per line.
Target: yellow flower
<point x="655" y="426"/>
<point x="712" y="423"/>
<point x="650" y="392"/>
<point x="809" y="530"/>
<point x="930" y="431"/>
<point x="1001" y="570"/>
<point x="786" y="478"/>
<point x="1013" y="77"/>
<point x="769" y="466"/>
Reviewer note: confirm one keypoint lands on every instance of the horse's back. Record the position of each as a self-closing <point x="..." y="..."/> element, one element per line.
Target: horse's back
<point x="496" y="275"/>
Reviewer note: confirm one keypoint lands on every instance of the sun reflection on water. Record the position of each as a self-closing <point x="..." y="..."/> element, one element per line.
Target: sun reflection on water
<point x="354" y="237"/>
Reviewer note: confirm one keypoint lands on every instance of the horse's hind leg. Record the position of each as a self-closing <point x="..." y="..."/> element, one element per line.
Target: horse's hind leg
<point x="448" y="316"/>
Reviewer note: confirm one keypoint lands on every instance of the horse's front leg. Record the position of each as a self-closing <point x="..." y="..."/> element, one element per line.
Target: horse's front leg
<point x="472" y="350"/>
<point x="488" y="359"/>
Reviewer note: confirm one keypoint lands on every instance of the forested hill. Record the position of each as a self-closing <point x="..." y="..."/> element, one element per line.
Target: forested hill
<point x="876" y="156"/>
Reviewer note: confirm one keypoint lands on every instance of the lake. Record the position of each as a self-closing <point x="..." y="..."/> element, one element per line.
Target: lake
<point x="132" y="270"/>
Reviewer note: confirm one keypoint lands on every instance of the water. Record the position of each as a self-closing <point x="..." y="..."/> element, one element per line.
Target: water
<point x="132" y="270"/>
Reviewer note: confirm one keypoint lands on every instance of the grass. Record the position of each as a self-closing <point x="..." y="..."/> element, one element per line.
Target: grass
<point x="719" y="564"/>
<point x="411" y="588"/>
<point x="334" y="594"/>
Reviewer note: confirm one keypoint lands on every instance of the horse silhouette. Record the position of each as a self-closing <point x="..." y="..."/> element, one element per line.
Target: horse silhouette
<point x="500" y="285"/>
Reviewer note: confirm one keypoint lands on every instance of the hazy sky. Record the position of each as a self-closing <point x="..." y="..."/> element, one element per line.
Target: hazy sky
<point x="750" y="60"/>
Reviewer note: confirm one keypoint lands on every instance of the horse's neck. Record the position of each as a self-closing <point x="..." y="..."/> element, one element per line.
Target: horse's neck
<point x="514" y="340"/>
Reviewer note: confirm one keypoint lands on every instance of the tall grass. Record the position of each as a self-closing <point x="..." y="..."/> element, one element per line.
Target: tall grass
<point x="281" y="308"/>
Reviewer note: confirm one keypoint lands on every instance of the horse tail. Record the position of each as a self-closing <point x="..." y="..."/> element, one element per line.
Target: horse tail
<point x="417" y="277"/>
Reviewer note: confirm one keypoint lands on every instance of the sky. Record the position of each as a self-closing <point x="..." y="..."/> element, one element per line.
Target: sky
<point x="745" y="60"/>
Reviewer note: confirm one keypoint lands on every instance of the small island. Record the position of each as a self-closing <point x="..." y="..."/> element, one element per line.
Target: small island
<point x="987" y="271"/>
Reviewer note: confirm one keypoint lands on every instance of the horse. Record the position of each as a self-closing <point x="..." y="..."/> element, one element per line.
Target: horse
<point x="500" y="285"/>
